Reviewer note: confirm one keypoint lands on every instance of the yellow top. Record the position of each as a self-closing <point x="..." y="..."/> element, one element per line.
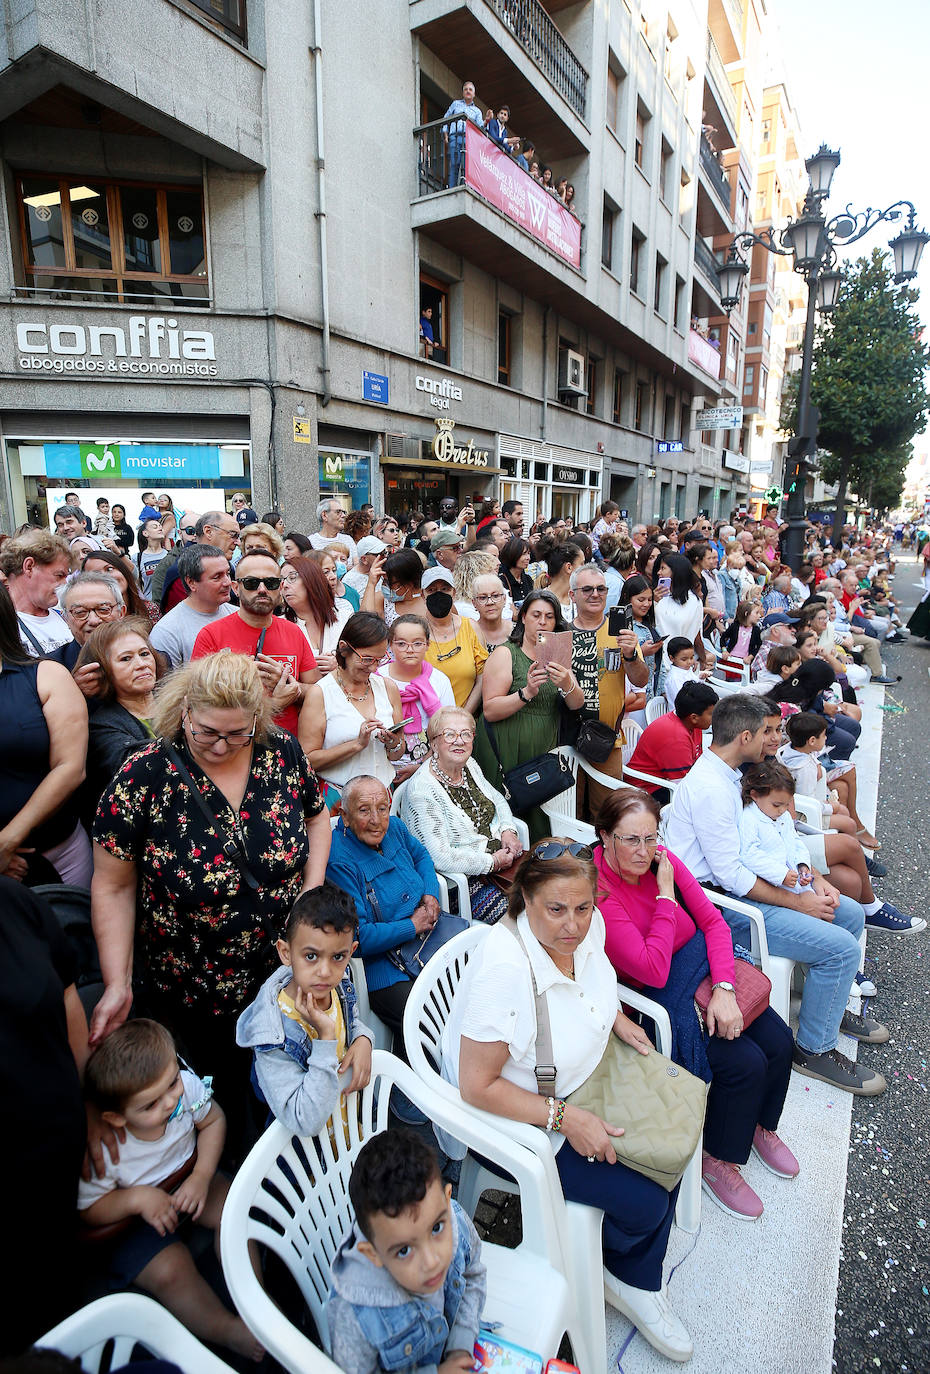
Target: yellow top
<point x="461" y="658"/>
<point x="334" y="1012"/>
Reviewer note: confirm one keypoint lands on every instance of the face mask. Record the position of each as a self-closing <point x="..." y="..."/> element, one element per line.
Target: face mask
<point x="341" y="571"/>
<point x="439" y="604"/>
<point x="389" y="595"/>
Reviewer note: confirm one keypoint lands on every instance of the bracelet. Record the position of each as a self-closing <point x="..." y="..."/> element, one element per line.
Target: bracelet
<point x="559" y="1115"/>
<point x="630" y="658"/>
<point x="525" y="700"/>
<point x="568" y="690"/>
<point x="550" y="1103"/>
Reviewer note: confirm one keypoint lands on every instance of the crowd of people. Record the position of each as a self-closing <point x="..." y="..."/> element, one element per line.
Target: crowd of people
<point x="256" y="754"/>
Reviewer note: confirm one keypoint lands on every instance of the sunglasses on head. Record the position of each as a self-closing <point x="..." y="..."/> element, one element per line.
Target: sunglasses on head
<point x="252" y="584"/>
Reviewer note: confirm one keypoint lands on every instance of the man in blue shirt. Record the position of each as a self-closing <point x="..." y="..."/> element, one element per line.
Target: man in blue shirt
<point x="454" y="134"/>
<point x="426" y="331"/>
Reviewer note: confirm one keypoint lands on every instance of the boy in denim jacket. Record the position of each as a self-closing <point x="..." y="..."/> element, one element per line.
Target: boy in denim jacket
<point x="303" y="1026"/>
<point x="407" y="1286"/>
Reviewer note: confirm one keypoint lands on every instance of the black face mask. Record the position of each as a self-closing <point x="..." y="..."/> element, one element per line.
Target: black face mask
<point x="439" y="604"/>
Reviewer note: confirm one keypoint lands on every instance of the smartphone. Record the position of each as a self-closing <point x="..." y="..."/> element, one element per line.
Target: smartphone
<point x="394" y="729"/>
<point x="665" y="584"/>
<point x="620" y="618"/>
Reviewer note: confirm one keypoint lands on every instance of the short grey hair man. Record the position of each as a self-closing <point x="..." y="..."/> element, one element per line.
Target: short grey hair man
<point x="580" y="572"/>
<point x="88" y="600"/>
<point x="736" y="713"/>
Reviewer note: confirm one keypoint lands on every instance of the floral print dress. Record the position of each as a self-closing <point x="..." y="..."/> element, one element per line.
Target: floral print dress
<point x="203" y="938"/>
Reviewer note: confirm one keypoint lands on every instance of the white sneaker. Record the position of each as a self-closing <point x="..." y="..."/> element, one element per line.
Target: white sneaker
<point x="652" y="1315"/>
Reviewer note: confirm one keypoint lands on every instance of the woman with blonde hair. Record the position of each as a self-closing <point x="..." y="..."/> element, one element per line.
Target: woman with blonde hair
<point x="468" y="568"/>
<point x="263" y="538"/>
<point x="202" y="843"/>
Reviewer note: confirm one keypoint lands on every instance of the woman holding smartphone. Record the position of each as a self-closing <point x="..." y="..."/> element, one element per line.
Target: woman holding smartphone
<point x="637" y="594"/>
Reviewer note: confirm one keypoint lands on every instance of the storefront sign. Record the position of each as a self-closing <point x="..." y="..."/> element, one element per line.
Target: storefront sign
<point x="149" y="346"/>
<point x="345" y="472"/>
<point x="497" y="177"/>
<point x="375" y="387"/>
<point x="569" y="476"/>
<point x="761" y="465"/>
<point x="444" y="448"/>
<point x="735" y="461"/>
<point x="149" y="462"/>
<point x="719" y="417"/>
<point x="302" y="434"/>
<point x="441" y="390"/>
<point x="669" y="446"/>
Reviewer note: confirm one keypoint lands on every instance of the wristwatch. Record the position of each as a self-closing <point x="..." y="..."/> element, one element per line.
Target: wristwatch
<point x="525" y="700"/>
<point x="727" y="987"/>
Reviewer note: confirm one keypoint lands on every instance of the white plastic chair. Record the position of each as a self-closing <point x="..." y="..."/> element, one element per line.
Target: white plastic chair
<point x="384" y="1038"/>
<point x="656" y="707"/>
<point x="631" y="737"/>
<point x="104" y="1334"/>
<point x="291" y="1195"/>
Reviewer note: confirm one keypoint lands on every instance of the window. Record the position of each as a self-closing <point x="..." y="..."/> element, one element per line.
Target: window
<point x="642" y="128"/>
<point x="766" y="132"/>
<point x="434" y="295"/>
<point x="668" y="417"/>
<point x="642" y="417"/>
<point x="658" y="295"/>
<point x="615" y="79"/>
<point x="229" y="15"/>
<point x="685" y="422"/>
<point x="749" y="378"/>
<point x="751" y="327"/>
<point x="607" y="232"/>
<point x="679" y="317"/>
<point x="763" y="384"/>
<point x="664" y="166"/>
<point x="127" y="241"/>
<point x="503" y="348"/>
<point x="591" y="402"/>
<point x="635" y="259"/>
<point x="618" y="397"/>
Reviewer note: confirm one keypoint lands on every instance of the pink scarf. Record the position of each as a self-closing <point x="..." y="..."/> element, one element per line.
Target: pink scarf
<point x="419" y="692"/>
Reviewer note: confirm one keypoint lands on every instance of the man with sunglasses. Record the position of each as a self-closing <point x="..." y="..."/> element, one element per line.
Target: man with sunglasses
<point x="602" y="664"/>
<point x="281" y="651"/>
<point x="187" y="534"/>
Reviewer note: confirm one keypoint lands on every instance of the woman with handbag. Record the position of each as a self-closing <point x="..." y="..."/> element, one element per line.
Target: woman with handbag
<point x="665" y="936"/>
<point x="551" y="956"/>
<point x="520" y="718"/>
<point x="465" y="825"/>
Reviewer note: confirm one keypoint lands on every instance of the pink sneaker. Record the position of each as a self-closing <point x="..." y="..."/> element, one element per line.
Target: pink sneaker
<point x="774" y="1154"/>
<point x="729" y="1189"/>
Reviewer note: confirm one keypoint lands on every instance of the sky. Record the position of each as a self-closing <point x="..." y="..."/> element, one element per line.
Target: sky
<point x="858" y="75"/>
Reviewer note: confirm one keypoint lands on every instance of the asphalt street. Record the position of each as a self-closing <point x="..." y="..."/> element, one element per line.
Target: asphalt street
<point x="883" y="1303"/>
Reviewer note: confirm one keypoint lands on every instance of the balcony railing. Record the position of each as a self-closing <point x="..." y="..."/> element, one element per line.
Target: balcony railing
<point x="721" y="81"/>
<point x="706" y="261"/>
<point x="538" y="36"/>
<point x="715" y="172"/>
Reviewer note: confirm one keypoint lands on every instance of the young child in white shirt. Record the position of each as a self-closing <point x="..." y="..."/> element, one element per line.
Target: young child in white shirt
<point x="769" y="844"/>
<point x="678" y="667"/>
<point x="782" y="661"/>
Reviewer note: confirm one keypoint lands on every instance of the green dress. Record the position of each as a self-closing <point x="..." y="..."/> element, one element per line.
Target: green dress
<point x="531" y="731"/>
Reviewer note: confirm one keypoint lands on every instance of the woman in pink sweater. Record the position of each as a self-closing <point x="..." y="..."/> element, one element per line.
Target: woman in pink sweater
<point x="664" y="935"/>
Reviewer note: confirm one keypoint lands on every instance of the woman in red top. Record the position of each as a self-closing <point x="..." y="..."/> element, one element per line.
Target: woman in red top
<point x="655" y="911"/>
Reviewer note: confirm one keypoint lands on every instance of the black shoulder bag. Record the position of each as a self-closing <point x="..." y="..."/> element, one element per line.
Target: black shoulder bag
<point x="534" y="782"/>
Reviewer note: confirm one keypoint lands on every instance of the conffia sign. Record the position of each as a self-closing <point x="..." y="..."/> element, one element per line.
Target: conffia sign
<point x="148" y="346"/>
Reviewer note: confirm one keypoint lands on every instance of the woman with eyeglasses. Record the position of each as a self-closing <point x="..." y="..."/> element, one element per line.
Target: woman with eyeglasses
<point x="202" y="843"/>
<point x="350" y="723"/>
<point x="424" y="690"/>
<point x="521" y="699"/>
<point x="309" y="601"/>
<point x="466" y="825"/>
<point x="489" y="1050"/>
<point x="665" y="936"/>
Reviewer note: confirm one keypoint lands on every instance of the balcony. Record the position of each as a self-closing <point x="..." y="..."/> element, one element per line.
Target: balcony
<point x="705" y="260"/>
<point x="490" y="41"/>
<point x="702" y="352"/>
<point x="720" y="88"/>
<point x="714" y="173"/>
<point x="725" y="20"/>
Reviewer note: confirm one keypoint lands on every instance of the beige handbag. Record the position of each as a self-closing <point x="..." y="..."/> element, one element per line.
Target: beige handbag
<point x="660" y="1105"/>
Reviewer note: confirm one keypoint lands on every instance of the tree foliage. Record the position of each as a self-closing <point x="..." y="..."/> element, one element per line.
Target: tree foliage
<point x="869" y="383"/>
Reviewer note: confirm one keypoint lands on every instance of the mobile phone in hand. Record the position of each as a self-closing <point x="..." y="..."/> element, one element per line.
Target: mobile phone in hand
<point x="665" y="584"/>
<point x="620" y="618"/>
<point x="396" y="729"/>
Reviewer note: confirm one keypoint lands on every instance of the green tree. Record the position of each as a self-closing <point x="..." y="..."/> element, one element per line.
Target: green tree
<point x="869" y="384"/>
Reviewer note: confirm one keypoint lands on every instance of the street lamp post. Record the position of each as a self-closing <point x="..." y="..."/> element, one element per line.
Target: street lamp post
<point x="811" y="240"/>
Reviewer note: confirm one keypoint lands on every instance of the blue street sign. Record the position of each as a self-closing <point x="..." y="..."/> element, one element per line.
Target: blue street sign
<point x="375" y="387"/>
<point x="669" y="446"/>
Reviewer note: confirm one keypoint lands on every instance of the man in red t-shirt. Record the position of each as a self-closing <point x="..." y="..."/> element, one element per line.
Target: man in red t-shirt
<point x="668" y="747"/>
<point x="282" y="652"/>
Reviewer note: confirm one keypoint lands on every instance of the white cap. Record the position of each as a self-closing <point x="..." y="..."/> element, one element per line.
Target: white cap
<point x="370" y="545"/>
<point x="437" y="574"/>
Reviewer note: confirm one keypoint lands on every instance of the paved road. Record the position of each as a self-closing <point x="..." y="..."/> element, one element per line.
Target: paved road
<point x="883" y="1304"/>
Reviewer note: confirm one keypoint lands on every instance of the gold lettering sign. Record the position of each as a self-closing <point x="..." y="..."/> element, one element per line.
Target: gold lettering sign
<point x="444" y="447"/>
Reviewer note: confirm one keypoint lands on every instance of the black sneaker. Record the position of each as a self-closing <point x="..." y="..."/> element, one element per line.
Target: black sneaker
<point x="864" y="1028"/>
<point x="834" y="1068"/>
<point x="874" y="868"/>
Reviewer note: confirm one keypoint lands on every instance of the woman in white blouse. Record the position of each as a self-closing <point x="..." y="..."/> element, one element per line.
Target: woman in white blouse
<point x="454" y="812"/>
<point x="678" y="609"/>
<point x="489" y="1051"/>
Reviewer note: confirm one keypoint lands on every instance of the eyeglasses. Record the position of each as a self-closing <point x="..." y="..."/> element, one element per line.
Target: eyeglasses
<point x="453" y="736"/>
<point x="554" y="849"/>
<point x="487" y="600"/>
<point x="232" y="534"/>
<point x="252" y="584"/>
<point x="367" y="661"/>
<point x="189" y="529"/>
<point x="104" y="612"/>
<point x="634" y="841"/>
<point x="417" y="644"/>
<point x="593" y="591"/>
<point x="236" y="739"/>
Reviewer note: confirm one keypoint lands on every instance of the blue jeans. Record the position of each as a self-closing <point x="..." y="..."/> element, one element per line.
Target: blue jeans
<point x="456" y="158"/>
<point x="831" y="951"/>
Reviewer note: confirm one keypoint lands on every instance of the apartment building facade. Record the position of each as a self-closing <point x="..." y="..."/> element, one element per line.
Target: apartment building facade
<point x="222" y="219"/>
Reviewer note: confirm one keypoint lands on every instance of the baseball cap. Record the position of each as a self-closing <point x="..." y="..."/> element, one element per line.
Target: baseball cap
<point x="435" y="575"/>
<point x="778" y="618"/>
<point x="444" y="539"/>
<point x="370" y="544"/>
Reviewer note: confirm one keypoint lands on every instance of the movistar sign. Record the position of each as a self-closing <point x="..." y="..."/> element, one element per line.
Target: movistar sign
<point x="149" y="462"/>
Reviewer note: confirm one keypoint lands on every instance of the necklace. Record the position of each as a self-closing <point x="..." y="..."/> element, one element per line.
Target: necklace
<point x="566" y="972"/>
<point x="348" y="694"/>
<point x="444" y="777"/>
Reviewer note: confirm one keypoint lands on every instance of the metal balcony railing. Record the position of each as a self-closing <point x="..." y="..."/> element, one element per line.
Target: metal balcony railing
<point x="538" y="36"/>
<point x="721" y="81"/>
<point x="715" y="172"/>
<point x="705" y="259"/>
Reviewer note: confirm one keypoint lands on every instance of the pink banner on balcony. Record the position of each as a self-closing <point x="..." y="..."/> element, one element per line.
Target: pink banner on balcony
<point x="496" y="176"/>
<point x="702" y="352"/>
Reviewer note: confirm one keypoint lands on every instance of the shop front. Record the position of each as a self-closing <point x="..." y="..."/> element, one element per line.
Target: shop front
<point x="550" y="482"/>
<point x="454" y="461"/>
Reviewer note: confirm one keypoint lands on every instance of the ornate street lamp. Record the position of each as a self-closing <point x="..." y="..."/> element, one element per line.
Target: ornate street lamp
<point x="811" y="240"/>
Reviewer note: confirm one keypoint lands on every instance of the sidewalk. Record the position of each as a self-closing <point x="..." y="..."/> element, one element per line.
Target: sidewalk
<point x="760" y="1297"/>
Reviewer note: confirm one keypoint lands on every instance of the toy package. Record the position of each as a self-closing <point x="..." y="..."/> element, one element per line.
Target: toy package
<point x="494" y="1355"/>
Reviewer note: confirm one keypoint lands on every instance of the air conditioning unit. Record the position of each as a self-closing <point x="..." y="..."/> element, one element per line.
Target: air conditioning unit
<point x="571" y="373"/>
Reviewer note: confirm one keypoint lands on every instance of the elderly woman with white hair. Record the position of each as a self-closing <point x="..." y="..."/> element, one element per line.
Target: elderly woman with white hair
<point x="465" y="825"/>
